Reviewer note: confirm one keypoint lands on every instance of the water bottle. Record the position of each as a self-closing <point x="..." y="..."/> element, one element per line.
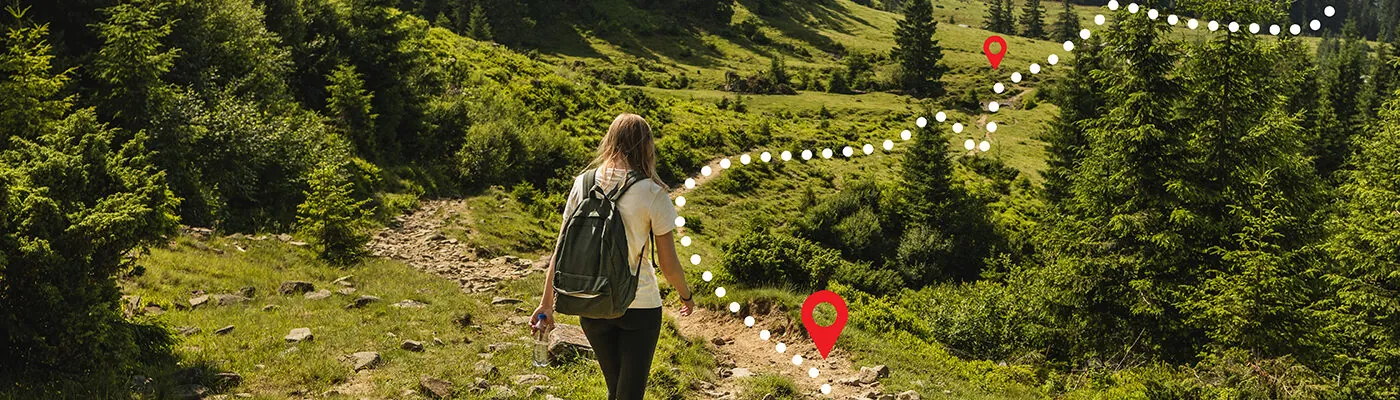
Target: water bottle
<point x="541" y="358"/>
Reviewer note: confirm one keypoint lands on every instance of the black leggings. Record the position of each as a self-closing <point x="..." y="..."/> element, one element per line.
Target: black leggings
<point x="624" y="347"/>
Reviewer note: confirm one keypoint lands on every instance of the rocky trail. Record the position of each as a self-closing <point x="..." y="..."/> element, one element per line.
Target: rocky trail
<point x="418" y="239"/>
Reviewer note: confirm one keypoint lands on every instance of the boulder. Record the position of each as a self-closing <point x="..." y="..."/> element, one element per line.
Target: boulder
<point x="504" y="300"/>
<point x="299" y="335"/>
<point x="199" y="300"/>
<point x="295" y="287"/>
<point x="318" y="295"/>
<point x="364" y="360"/>
<point x="484" y="369"/>
<point x="568" y="342"/>
<point x="529" y="379"/>
<point x="908" y="395"/>
<point x="224" y="331"/>
<point x="435" y="388"/>
<point x="412" y="345"/>
<point x="228" y="379"/>
<point x="362" y="301"/>
<point x="226" y="299"/>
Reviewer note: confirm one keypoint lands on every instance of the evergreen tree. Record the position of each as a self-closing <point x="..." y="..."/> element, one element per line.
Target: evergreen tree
<point x="477" y="26"/>
<point x="1342" y="101"/>
<point x="918" y="53"/>
<point x="133" y="60"/>
<point x="1080" y="98"/>
<point x="350" y="106"/>
<point x="336" y="222"/>
<point x="1000" y="17"/>
<point x="777" y="71"/>
<point x="1067" y="27"/>
<point x="1033" y="19"/>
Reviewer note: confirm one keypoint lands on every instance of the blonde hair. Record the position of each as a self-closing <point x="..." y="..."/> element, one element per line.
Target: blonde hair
<point x="629" y="141"/>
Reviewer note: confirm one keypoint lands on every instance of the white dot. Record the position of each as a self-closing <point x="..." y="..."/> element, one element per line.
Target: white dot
<point x="689" y="183"/>
<point x="694" y="259"/>
<point x="1113" y="5"/>
<point x="1253" y="28"/>
<point x="680" y="221"/>
<point x="1329" y="11"/>
<point x="787" y="155"/>
<point x="685" y="241"/>
<point x="921" y="122"/>
<point x="734" y="307"/>
<point x="957" y="128"/>
<point x="1152" y="14"/>
<point x="806" y="154"/>
<point x="680" y="201"/>
<point x="707" y="276"/>
<point x="1132" y="8"/>
<point x="812" y="373"/>
<point x="705" y="170"/>
<point x="1035" y="69"/>
<point x="1098" y="19"/>
<point x="905" y="135"/>
<point x="867" y="148"/>
<point x="984" y="146"/>
<point x="1053" y="59"/>
<point x="1069" y="46"/>
<point x="1084" y="34"/>
<point x="745" y="159"/>
<point x="993" y="106"/>
<point x="998" y="87"/>
<point x="1173" y="19"/>
<point x="846" y="151"/>
<point x="781" y="347"/>
<point x="1193" y="24"/>
<point x="719" y="292"/>
<point x="1295" y="29"/>
<point x="1214" y="26"/>
<point x="826" y="388"/>
<point x="766" y="156"/>
<point x="1234" y="26"/>
<point x="1274" y="29"/>
<point x="763" y="334"/>
<point x="970" y="144"/>
<point x="797" y="359"/>
<point x="889" y="145"/>
<point x="1315" y="24"/>
<point x="748" y="321"/>
<point x="941" y="116"/>
<point x="991" y="127"/>
<point x="826" y="153"/>
<point x="1016" y="77"/>
<point x="724" y="164"/>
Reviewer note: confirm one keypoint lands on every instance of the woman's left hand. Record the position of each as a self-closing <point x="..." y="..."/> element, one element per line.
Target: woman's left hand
<point x="687" y="306"/>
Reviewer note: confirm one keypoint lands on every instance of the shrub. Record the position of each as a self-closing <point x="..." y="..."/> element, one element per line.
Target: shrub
<point x="337" y="224"/>
<point x="761" y="258"/>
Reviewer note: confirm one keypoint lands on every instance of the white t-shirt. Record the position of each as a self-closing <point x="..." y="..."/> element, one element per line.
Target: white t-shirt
<point x="646" y="212"/>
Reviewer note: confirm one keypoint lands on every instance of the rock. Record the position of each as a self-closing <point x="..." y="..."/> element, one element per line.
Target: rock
<point x="412" y="345"/>
<point x="229" y="299"/>
<point x="485" y="369"/>
<point x="740" y="373"/>
<point x="504" y="300"/>
<point x="153" y="310"/>
<point x="438" y="342"/>
<point x="529" y="379"/>
<point x="480" y="384"/>
<point x="435" y="388"/>
<point x="228" y="379"/>
<point x="189" y="330"/>
<point x="317" y="295"/>
<point x="499" y="392"/>
<point x="299" y="335"/>
<point x="343" y="281"/>
<point x="295" y="287"/>
<point x="297" y="243"/>
<point x="362" y="301"/>
<point x="189" y="392"/>
<point x="568" y="342"/>
<point x="908" y="395"/>
<point x="551" y="397"/>
<point x="718" y="341"/>
<point x="224" y="331"/>
<point x="248" y="291"/>
<point x="284" y="237"/>
<point x="143" y="386"/>
<point x="410" y="304"/>
<point x="346" y="291"/>
<point x="271" y="307"/>
<point x="867" y="376"/>
<point x="199" y="300"/>
<point x="364" y="360"/>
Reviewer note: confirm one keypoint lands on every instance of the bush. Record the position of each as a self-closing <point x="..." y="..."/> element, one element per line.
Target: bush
<point x="337" y="224"/>
<point x="761" y="258"/>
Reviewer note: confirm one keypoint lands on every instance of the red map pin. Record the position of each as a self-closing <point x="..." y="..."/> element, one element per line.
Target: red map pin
<point x="995" y="58"/>
<point x="824" y="336"/>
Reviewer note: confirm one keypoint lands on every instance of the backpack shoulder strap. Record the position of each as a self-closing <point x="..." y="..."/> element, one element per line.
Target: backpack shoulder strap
<point x="633" y="177"/>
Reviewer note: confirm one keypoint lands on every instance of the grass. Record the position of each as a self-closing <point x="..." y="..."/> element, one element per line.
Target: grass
<point x="769" y="387"/>
<point x="270" y="368"/>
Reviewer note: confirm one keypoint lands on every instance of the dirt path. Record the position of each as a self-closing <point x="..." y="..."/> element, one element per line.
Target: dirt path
<point x="417" y="238"/>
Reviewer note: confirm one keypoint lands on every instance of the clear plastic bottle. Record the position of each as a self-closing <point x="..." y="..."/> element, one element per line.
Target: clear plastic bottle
<point x="541" y="354"/>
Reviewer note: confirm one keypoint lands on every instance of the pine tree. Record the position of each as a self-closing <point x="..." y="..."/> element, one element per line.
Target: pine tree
<point x="336" y="222"/>
<point x="777" y="71"/>
<point x="999" y="17"/>
<point x="133" y="60"/>
<point x="1033" y="19"/>
<point x="918" y="53"/>
<point x="477" y="26"/>
<point x="1080" y="99"/>
<point x="1067" y="27"/>
<point x="350" y="106"/>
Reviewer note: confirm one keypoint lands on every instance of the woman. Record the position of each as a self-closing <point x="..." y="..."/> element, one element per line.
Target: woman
<point x="625" y="345"/>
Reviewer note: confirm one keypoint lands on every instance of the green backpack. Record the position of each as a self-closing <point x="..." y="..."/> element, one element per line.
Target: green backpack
<point x="593" y="274"/>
